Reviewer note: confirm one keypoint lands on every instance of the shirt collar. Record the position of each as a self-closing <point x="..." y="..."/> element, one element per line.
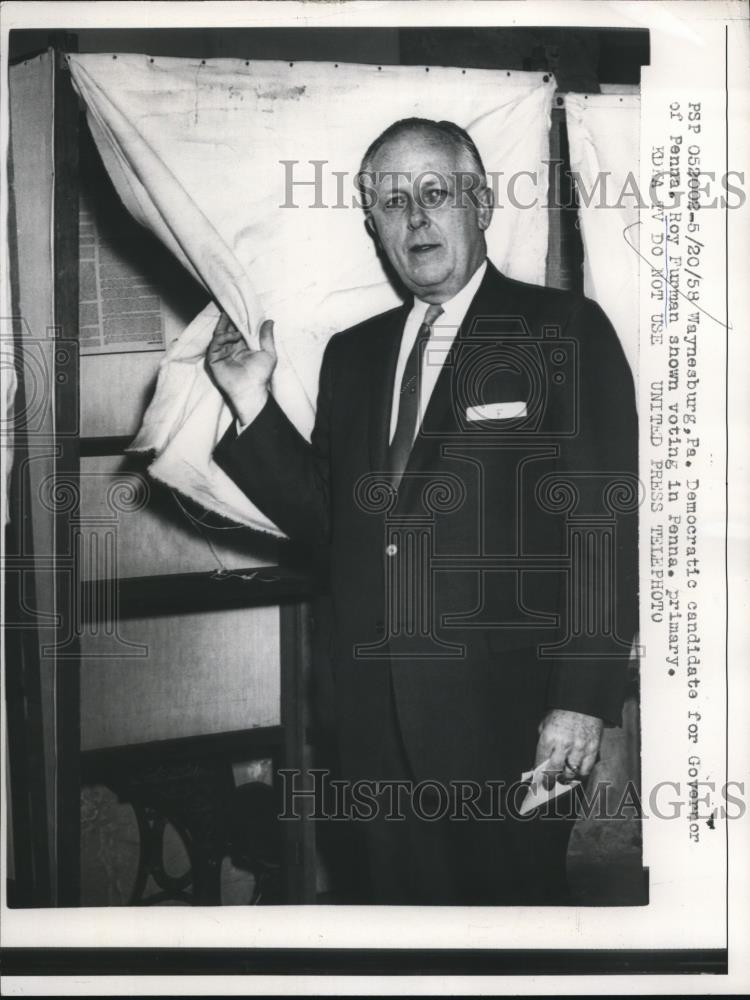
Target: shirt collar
<point x="455" y="309"/>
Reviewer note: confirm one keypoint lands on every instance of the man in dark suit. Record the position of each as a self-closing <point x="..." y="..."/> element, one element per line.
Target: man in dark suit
<point x="470" y="489"/>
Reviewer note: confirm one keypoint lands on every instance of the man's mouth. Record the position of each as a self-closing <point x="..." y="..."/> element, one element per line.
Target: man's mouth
<point x="423" y="248"/>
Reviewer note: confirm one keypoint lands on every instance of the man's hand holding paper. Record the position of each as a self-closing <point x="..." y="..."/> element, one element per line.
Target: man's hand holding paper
<point x="569" y="743"/>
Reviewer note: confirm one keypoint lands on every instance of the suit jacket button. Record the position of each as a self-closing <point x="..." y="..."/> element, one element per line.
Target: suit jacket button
<point x="391" y="550"/>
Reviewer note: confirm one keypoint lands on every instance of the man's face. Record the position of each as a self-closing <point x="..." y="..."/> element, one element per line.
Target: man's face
<point x="432" y="234"/>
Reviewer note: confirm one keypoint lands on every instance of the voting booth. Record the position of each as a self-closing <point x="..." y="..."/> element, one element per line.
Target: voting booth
<point x="161" y="622"/>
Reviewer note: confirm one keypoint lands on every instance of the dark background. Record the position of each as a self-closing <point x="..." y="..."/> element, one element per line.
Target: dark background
<point x="580" y="58"/>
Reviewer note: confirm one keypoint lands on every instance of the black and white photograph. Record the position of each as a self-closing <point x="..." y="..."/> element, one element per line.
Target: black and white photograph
<point x="372" y="472"/>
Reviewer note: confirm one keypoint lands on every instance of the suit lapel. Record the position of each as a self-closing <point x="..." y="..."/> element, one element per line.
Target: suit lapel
<point x="382" y="370"/>
<point x="440" y="416"/>
<point x="495" y="293"/>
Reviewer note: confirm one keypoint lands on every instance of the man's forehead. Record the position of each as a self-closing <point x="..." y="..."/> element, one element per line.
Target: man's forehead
<point x="415" y="155"/>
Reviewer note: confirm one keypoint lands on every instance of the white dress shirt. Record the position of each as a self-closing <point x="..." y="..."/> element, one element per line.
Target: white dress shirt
<point x="438" y="346"/>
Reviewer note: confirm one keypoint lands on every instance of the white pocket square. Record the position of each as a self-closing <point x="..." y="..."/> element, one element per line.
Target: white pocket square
<point x="496" y="411"/>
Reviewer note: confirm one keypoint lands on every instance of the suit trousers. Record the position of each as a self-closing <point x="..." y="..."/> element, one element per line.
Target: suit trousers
<point x="424" y="847"/>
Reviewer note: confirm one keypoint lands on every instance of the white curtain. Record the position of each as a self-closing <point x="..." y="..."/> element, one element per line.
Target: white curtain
<point x="604" y="140"/>
<point x="197" y="149"/>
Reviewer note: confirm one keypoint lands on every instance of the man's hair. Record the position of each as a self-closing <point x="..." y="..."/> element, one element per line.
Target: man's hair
<point x="449" y="132"/>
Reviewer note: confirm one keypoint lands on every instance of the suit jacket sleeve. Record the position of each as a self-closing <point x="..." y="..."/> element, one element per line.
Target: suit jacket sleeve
<point x="601" y="463"/>
<point x="286" y="477"/>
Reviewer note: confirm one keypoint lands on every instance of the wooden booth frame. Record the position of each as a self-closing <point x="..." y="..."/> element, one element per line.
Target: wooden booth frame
<point x="47" y="861"/>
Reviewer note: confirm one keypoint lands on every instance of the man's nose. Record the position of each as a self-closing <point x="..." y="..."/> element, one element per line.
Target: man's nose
<point x="417" y="216"/>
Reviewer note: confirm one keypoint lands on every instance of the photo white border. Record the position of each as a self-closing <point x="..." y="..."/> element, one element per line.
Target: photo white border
<point x="678" y="25"/>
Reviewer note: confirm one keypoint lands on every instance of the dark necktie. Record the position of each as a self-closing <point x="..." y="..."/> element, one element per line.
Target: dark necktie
<point x="408" y="401"/>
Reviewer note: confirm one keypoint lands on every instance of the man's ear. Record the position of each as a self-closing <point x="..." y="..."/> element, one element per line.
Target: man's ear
<point x="485" y="206"/>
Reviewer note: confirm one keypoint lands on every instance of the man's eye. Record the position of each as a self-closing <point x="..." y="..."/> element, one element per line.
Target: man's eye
<point x="434" y="196"/>
<point x="395" y="201"/>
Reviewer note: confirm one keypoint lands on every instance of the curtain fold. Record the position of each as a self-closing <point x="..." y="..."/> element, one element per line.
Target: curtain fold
<point x="604" y="141"/>
<point x="246" y="172"/>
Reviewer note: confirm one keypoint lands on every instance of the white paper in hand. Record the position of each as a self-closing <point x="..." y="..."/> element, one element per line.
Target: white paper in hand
<point x="537" y="794"/>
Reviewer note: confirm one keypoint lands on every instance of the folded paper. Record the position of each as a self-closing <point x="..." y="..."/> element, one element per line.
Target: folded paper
<point x="537" y="794"/>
